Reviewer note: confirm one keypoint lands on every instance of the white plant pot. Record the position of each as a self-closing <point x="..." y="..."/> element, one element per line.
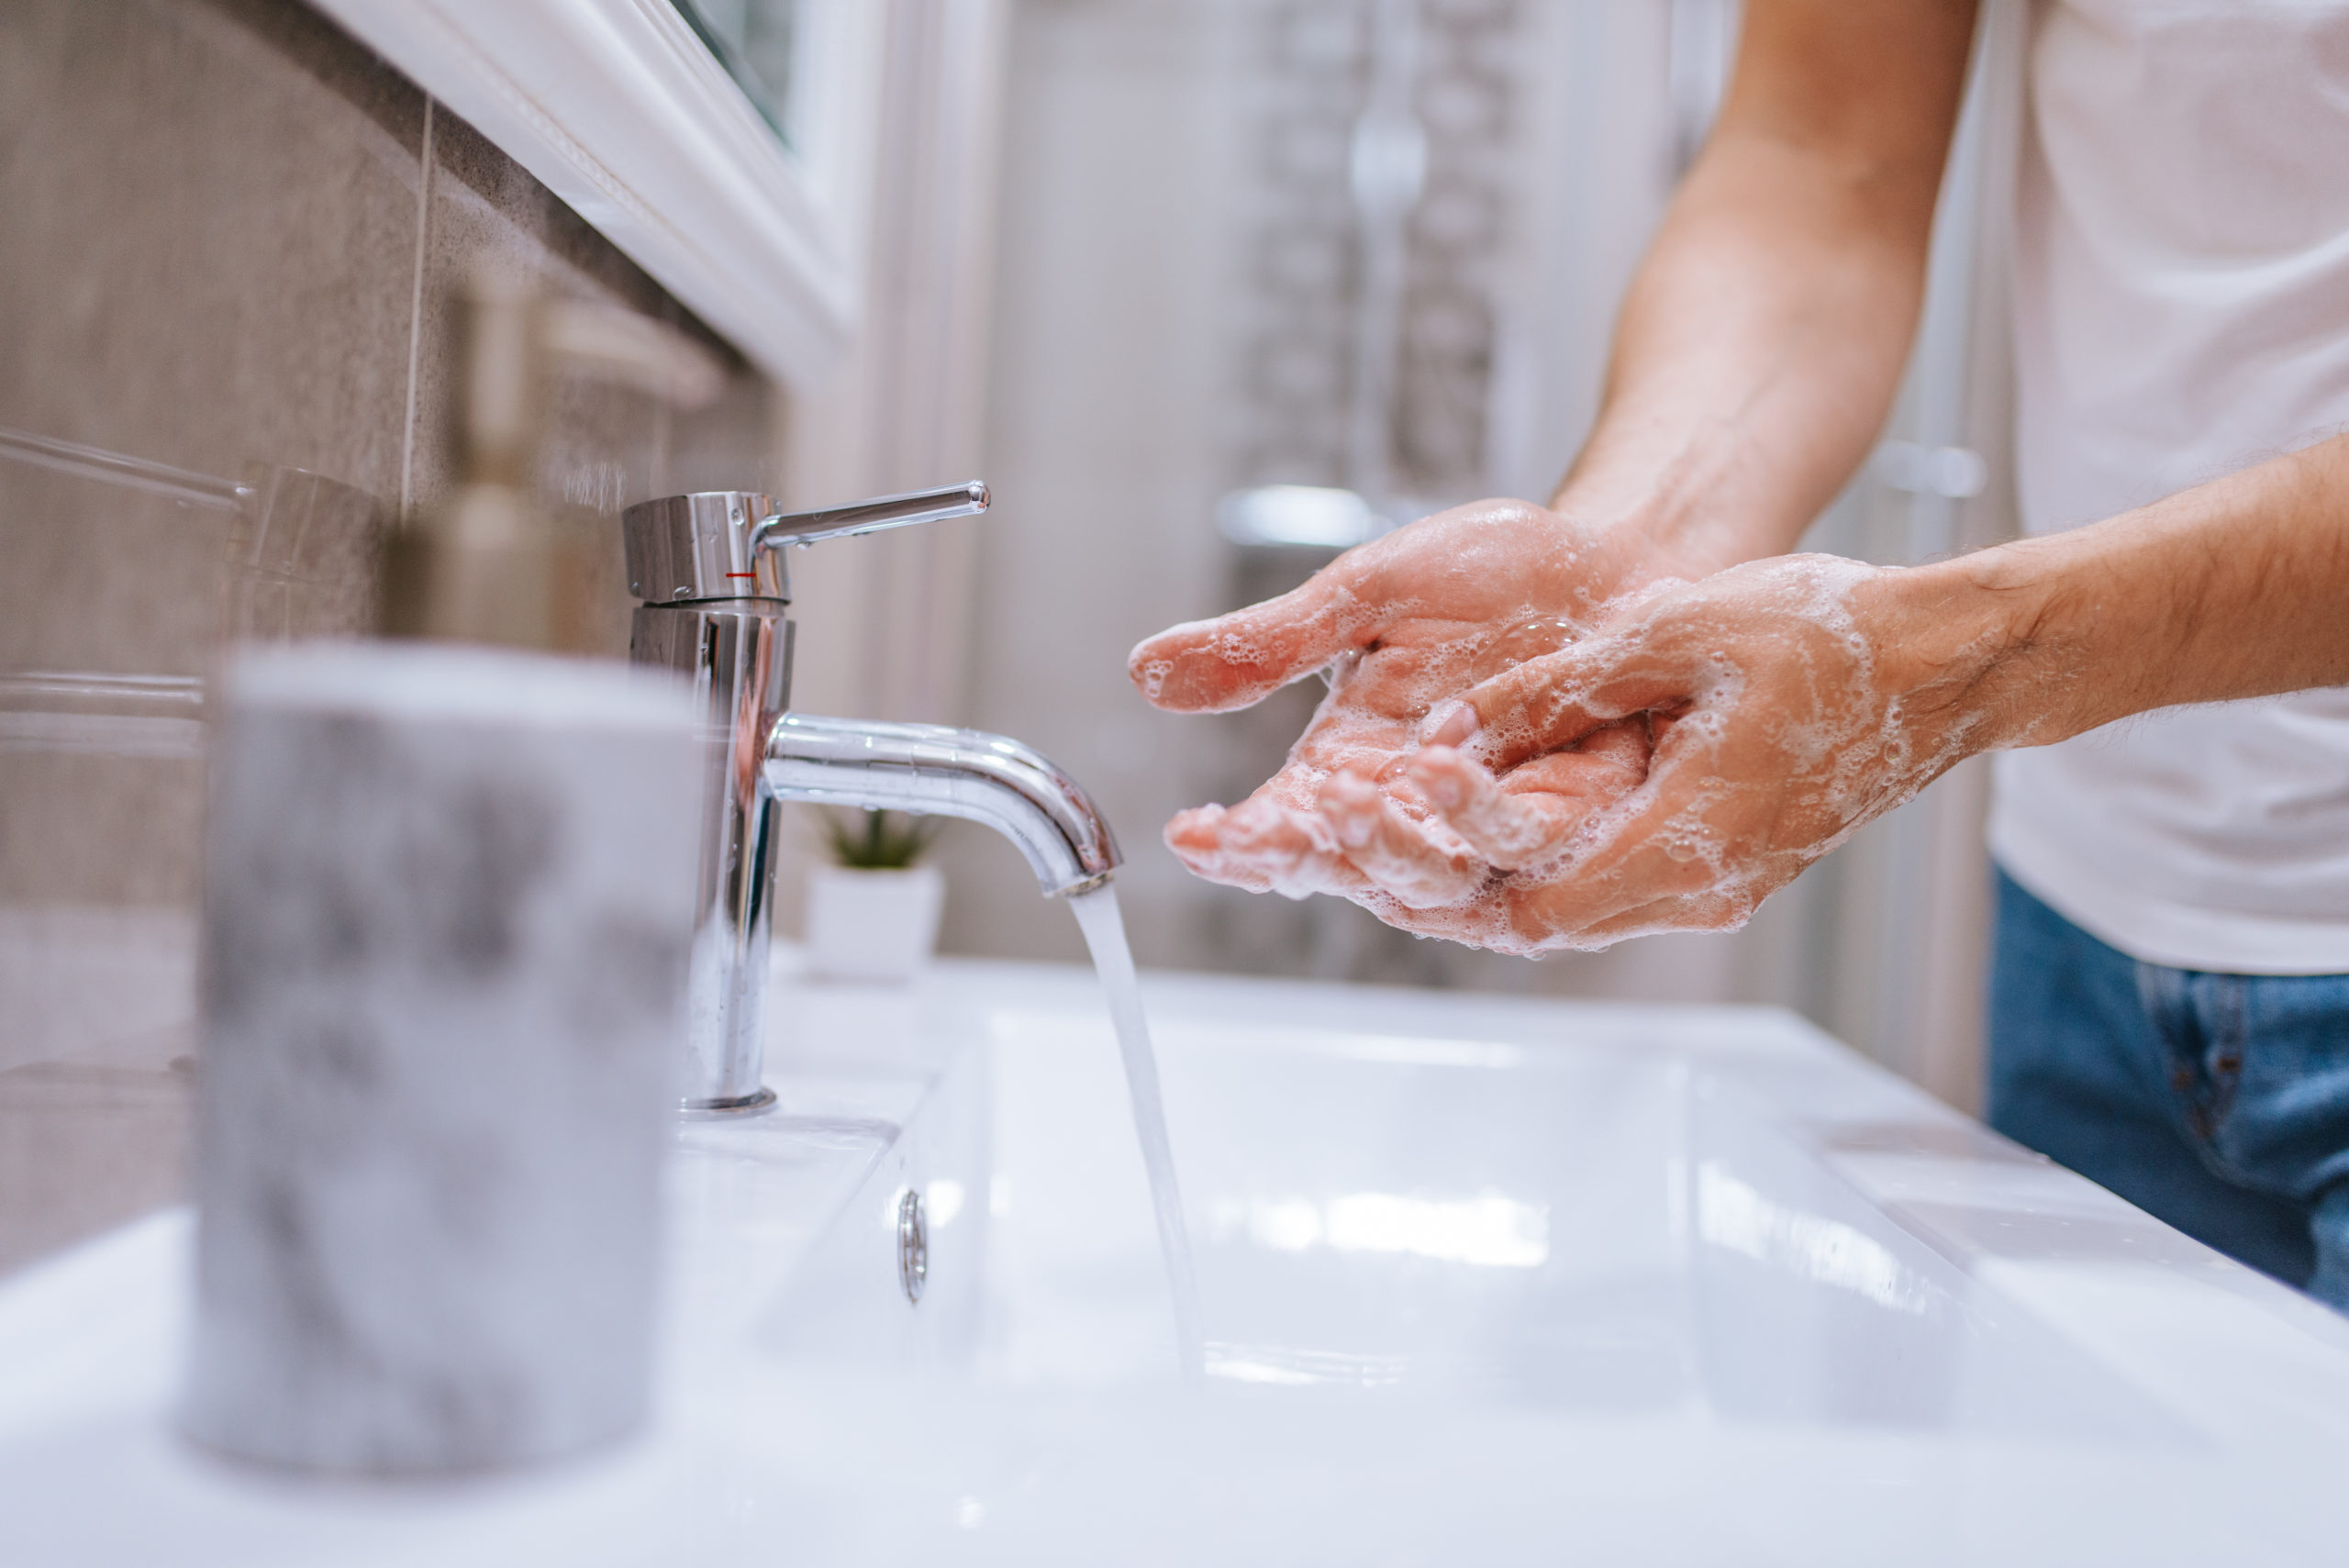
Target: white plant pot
<point x="872" y="925"/>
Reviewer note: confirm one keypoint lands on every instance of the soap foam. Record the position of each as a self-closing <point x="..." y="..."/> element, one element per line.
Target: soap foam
<point x="1561" y="850"/>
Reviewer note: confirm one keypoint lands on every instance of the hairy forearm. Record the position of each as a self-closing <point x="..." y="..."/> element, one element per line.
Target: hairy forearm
<point x="2237" y="588"/>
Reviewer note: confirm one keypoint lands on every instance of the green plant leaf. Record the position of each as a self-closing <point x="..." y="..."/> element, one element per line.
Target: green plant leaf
<point x="878" y="840"/>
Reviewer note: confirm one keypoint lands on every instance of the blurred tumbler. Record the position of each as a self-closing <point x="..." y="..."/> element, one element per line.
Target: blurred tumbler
<point x="446" y="907"/>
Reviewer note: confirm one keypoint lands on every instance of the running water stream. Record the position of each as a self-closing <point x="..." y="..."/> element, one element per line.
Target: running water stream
<point x="1105" y="934"/>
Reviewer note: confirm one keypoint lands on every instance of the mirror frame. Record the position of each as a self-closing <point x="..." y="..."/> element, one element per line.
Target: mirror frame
<point x="620" y="110"/>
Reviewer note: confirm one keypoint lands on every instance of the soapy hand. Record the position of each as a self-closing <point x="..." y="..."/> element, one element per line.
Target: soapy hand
<point x="1692" y="752"/>
<point x="1401" y="624"/>
<point x="1793" y="699"/>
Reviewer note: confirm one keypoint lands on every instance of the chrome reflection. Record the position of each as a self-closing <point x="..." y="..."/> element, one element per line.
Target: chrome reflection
<point x="1489" y="1230"/>
<point x="1739" y="1218"/>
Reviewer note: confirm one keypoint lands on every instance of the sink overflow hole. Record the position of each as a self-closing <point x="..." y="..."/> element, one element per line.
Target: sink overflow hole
<point x="913" y="1248"/>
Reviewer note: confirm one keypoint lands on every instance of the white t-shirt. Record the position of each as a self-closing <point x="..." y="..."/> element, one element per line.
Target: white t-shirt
<point x="2181" y="312"/>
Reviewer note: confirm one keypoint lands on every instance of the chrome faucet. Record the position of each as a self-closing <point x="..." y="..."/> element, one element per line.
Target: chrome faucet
<point x="710" y="572"/>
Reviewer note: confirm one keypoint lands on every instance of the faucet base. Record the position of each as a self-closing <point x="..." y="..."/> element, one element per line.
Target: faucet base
<point x="715" y="1110"/>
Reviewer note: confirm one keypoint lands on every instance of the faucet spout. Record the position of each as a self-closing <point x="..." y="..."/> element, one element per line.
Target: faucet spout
<point x="940" y="771"/>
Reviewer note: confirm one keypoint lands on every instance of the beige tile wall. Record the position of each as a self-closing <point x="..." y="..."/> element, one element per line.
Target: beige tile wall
<point x="227" y="237"/>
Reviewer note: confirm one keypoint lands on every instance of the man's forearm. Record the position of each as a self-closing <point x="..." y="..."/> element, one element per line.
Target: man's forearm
<point x="1762" y="341"/>
<point x="1755" y="357"/>
<point x="2237" y="588"/>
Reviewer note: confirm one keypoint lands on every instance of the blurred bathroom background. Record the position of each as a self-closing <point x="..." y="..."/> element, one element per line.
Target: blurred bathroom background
<point x="1123" y="258"/>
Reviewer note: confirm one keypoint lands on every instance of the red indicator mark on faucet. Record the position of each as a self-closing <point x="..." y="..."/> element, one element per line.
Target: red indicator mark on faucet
<point x="752" y="575"/>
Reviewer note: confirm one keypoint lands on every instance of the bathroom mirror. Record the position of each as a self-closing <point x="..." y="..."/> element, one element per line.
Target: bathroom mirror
<point x="725" y="145"/>
<point x="751" y="38"/>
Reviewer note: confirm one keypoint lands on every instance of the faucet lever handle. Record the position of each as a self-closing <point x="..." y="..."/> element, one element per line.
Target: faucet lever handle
<point x="872" y="517"/>
<point x="728" y="544"/>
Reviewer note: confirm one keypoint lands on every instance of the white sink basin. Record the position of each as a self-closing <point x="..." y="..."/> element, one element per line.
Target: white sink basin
<point x="1481" y="1280"/>
<point x="1571" y="1228"/>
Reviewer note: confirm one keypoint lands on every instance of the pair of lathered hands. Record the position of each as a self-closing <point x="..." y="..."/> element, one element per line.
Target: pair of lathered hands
<point x="1541" y="734"/>
<point x="1538" y="736"/>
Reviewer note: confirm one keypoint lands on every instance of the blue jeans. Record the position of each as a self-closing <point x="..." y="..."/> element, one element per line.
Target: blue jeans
<point x="2218" y="1103"/>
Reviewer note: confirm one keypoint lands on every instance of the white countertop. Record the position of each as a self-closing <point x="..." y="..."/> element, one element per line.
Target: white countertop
<point x="2188" y="1411"/>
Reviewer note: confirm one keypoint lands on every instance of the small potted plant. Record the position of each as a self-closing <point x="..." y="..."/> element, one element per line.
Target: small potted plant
<point x="872" y="912"/>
